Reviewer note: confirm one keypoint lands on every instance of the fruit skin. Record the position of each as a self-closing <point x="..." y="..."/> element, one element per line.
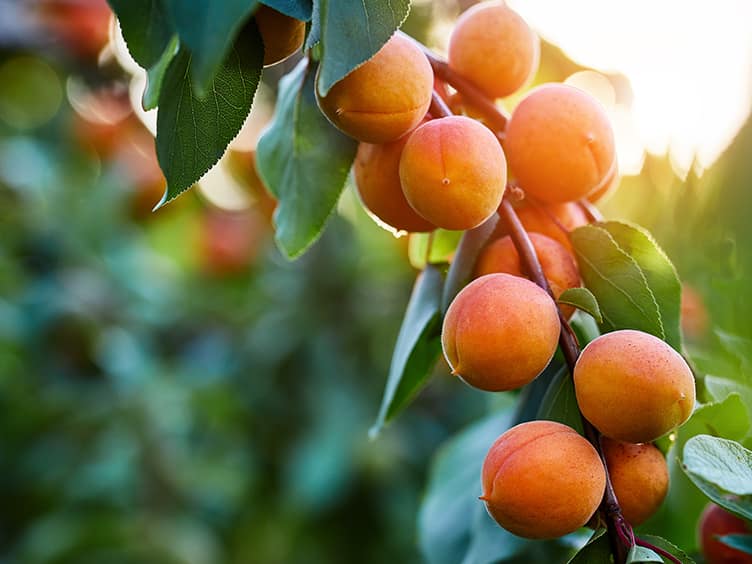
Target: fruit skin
<point x="639" y="475"/>
<point x="558" y="264"/>
<point x="633" y="387"/>
<point x="377" y="178"/>
<point x="230" y="241"/>
<point x="494" y="48"/>
<point x="542" y="480"/>
<point x="559" y="144"/>
<point x="608" y="187"/>
<point x="453" y="172"/>
<point x="694" y="314"/>
<point x="554" y="220"/>
<point x="384" y="98"/>
<point x="717" y="522"/>
<point x="282" y="35"/>
<point x="500" y="332"/>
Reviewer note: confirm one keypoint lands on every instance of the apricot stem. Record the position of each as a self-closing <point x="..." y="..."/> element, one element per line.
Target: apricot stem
<point x="619" y="531"/>
<point x="591" y="211"/>
<point x="438" y="107"/>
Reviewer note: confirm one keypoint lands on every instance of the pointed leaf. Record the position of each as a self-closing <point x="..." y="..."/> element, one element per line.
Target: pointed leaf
<point x="617" y="282"/>
<point x="725" y="463"/>
<point x="742" y="543"/>
<point x="560" y="403"/>
<point x="298" y="9"/>
<point x="675" y="551"/>
<point x="208" y="29"/>
<point x="155" y="75"/>
<point x="304" y="160"/>
<point x="596" y="551"/>
<point x="146" y="28"/>
<point x="352" y="33"/>
<point x="641" y="554"/>
<point x="583" y="299"/>
<point x="193" y="133"/>
<point x="658" y="270"/>
<point x="418" y="346"/>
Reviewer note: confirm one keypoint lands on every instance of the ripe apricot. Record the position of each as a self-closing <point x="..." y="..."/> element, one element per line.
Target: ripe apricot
<point x="281" y="34"/>
<point x="717" y="522"/>
<point x="609" y="187"/>
<point x="500" y="332"/>
<point x="385" y="97"/>
<point x="560" y="144"/>
<point x="554" y="220"/>
<point x="633" y="386"/>
<point x="639" y="475"/>
<point x="558" y="264"/>
<point x="377" y="178"/>
<point x="493" y="48"/>
<point x="453" y="172"/>
<point x="542" y="480"/>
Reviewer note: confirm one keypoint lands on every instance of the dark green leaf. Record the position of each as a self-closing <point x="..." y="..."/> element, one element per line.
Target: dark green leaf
<point x="418" y="346"/>
<point x="596" y="551"/>
<point x="741" y="506"/>
<point x="642" y="554"/>
<point x="585" y="327"/>
<point x="314" y="34"/>
<point x="463" y="263"/>
<point x="298" y="9"/>
<point x="352" y="33"/>
<point x="739" y="542"/>
<point x="193" y="133"/>
<point x="668" y="547"/>
<point x="452" y="516"/>
<point x="531" y="395"/>
<point x="617" y="282"/>
<point x="659" y="272"/>
<point x="443" y="244"/>
<point x="155" y="75"/>
<point x="583" y="299"/>
<point x="725" y="463"/>
<point x="146" y="28"/>
<point x="304" y="160"/>
<point x="720" y="388"/>
<point x="560" y="403"/>
<point x="208" y="29"/>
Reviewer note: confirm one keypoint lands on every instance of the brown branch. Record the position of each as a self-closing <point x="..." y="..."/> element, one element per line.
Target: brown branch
<point x="438" y="107"/>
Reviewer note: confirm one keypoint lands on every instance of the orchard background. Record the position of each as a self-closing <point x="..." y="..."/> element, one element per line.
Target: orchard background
<point x="173" y="389"/>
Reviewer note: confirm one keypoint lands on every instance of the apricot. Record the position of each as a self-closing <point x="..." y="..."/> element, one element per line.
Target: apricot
<point x="493" y="48"/>
<point x="560" y="144"/>
<point x="694" y="314"/>
<point x="377" y="178"/>
<point x="558" y="264"/>
<point x="609" y="187"/>
<point x="385" y="97"/>
<point x="500" y="332"/>
<point x="639" y="475"/>
<point x="633" y="386"/>
<point x="453" y="172"/>
<point x="542" y="480"/>
<point x="281" y="34"/>
<point x="717" y="522"/>
<point x="554" y="220"/>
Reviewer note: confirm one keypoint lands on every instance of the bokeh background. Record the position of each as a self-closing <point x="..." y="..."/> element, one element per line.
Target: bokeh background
<point x="172" y="390"/>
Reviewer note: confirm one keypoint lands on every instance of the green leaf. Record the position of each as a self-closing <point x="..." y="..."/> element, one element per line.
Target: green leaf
<point x="725" y="463"/>
<point x="583" y="299"/>
<point x="443" y="244"/>
<point x="298" y="9"/>
<point x="193" y="133"/>
<point x="208" y="29"/>
<point x="740" y="542"/>
<point x="668" y="547"/>
<point x="560" y="403"/>
<point x="155" y="75"/>
<point x="418" y="346"/>
<point x="615" y="279"/>
<point x="532" y="394"/>
<point x="463" y="263"/>
<point x="352" y="33"/>
<point x="720" y="388"/>
<point x="642" y="554"/>
<point x="304" y="160"/>
<point x="314" y="34"/>
<point x="453" y="525"/>
<point x="659" y="272"/>
<point x="596" y="551"/>
<point x="146" y="27"/>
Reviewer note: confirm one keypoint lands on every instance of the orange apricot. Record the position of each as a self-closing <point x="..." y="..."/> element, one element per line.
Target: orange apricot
<point x="633" y="386"/>
<point x="554" y="220"/>
<point x="717" y="522"/>
<point x="453" y="172"/>
<point x="560" y="144"/>
<point x="384" y="98"/>
<point x="558" y="263"/>
<point x="376" y="170"/>
<point x="281" y="34"/>
<point x="694" y="314"/>
<point x="609" y="187"/>
<point x="542" y="480"/>
<point x="500" y="332"/>
<point x="493" y="48"/>
<point x="639" y="475"/>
